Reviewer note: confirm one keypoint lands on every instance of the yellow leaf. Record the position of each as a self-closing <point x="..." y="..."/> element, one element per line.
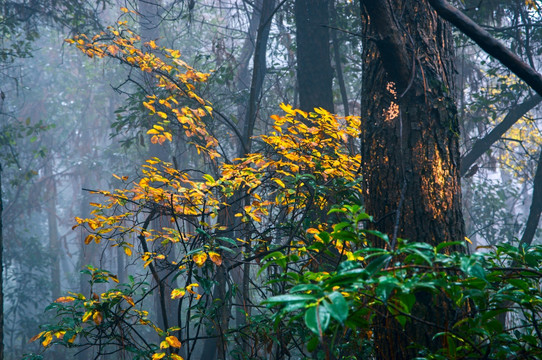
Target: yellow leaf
<point x="123" y="9"/>
<point x="97" y="317"/>
<point x="176" y="357"/>
<point x="60" y="334"/>
<point x="158" y="356"/>
<point x="128" y="251"/>
<point x="48" y="339"/>
<point x="278" y="181"/>
<point x="468" y="240"/>
<point x="87" y="316"/>
<point x="173" y="341"/>
<point x="162" y="115"/>
<point x="168" y="136"/>
<point x="199" y="259"/>
<point x="215" y="258"/>
<point x="177" y="293"/>
<point x="65" y="299"/>
<point x="153" y="132"/>
<point x="164" y="345"/>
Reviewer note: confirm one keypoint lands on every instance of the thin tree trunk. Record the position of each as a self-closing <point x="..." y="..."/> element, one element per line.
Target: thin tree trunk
<point x="314" y="71"/>
<point x="54" y="241"/>
<point x="337" y="57"/>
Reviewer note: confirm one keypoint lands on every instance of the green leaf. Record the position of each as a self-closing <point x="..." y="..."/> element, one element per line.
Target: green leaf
<point x="312" y="344"/>
<point x="386" y="285"/>
<point x="377" y="264"/>
<point x="305" y="287"/>
<point x="446" y="244"/>
<point x="337" y="307"/>
<point x="286" y="298"/>
<point x="317" y="319"/>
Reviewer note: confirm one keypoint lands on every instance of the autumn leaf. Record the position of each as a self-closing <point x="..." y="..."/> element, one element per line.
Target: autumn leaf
<point x="97" y="317"/>
<point x="177" y="293"/>
<point x="89" y="238"/>
<point x="48" y="339"/>
<point x="36" y="337"/>
<point x="129" y="300"/>
<point x="158" y="356"/>
<point x="128" y="251"/>
<point x="173" y="341"/>
<point x="278" y="181"/>
<point x="65" y="299"/>
<point x="87" y="316"/>
<point x="176" y="357"/>
<point x="215" y="258"/>
<point x="199" y="259"/>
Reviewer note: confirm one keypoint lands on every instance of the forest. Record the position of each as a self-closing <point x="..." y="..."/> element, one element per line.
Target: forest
<point x="270" y="179"/>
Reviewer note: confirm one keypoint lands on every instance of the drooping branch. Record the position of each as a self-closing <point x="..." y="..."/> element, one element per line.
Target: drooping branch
<point x="536" y="206"/>
<point x="489" y="44"/>
<point x="482" y="145"/>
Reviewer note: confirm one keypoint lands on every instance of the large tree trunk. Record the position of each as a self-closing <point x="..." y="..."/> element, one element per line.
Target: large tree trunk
<point x="314" y="71"/>
<point x="410" y="146"/>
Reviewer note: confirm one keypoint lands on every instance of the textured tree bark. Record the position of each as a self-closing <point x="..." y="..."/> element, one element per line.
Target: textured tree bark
<point x="410" y="150"/>
<point x="314" y="71"/>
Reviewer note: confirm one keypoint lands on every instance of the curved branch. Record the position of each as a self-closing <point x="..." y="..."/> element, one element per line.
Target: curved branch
<point x="482" y="145"/>
<point x="488" y="43"/>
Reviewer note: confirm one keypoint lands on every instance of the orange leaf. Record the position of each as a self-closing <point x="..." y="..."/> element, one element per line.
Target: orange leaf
<point x="215" y="258"/>
<point x="173" y="341"/>
<point x="89" y="239"/>
<point x="97" y="317"/>
<point x="36" y="337"/>
<point x="65" y="299"/>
